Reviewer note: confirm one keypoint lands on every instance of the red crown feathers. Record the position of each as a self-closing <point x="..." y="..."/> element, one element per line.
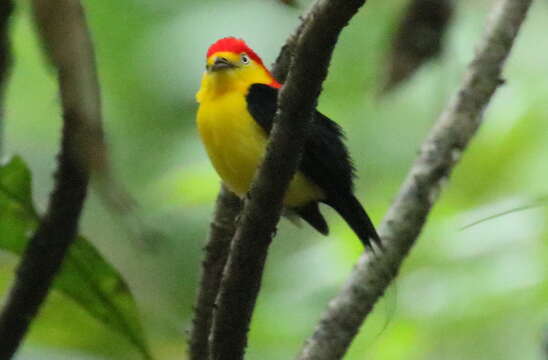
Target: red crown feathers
<point x="234" y="45"/>
<point x="238" y="46"/>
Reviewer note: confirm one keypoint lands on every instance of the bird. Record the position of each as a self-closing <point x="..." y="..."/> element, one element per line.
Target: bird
<point x="237" y="102"/>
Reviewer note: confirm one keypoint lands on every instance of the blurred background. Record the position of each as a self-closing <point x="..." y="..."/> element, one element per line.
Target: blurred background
<point x="477" y="293"/>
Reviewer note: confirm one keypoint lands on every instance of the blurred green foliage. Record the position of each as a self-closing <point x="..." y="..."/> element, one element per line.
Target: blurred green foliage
<point x="480" y="293"/>
<point x="85" y="277"/>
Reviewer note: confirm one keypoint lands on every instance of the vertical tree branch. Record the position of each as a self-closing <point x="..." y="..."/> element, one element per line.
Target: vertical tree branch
<point x="221" y="231"/>
<point x="62" y="25"/>
<point x="47" y="248"/>
<point x="217" y="249"/>
<point x="216" y="246"/>
<point x="65" y="36"/>
<point x="297" y="100"/>
<point x="280" y="68"/>
<point x="6" y="9"/>
<point x="404" y="220"/>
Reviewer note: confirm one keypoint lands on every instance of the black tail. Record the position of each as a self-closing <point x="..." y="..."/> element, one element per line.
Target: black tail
<point x="311" y="214"/>
<point x="354" y="214"/>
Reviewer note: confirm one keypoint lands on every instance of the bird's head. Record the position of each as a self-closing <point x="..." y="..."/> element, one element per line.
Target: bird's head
<point x="231" y="65"/>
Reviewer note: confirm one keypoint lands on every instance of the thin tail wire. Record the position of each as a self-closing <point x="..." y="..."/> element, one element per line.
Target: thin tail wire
<point x="351" y="210"/>
<point x="355" y="216"/>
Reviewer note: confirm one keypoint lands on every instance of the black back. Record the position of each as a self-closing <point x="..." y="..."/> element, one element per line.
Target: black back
<point x="325" y="159"/>
<point x="325" y="162"/>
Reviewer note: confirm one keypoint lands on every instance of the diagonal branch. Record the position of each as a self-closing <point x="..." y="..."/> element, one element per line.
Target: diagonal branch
<point x="62" y="26"/>
<point x="221" y="231"/>
<point x="297" y="100"/>
<point x="439" y="154"/>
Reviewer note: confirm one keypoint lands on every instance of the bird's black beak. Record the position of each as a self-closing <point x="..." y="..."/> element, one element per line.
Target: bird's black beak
<point x="221" y="63"/>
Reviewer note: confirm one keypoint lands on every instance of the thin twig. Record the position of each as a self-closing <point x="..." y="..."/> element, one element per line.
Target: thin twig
<point x="538" y="203"/>
<point x="297" y="100"/>
<point x="221" y="231"/>
<point x="63" y="28"/>
<point x="404" y="220"/>
<point x="6" y="9"/>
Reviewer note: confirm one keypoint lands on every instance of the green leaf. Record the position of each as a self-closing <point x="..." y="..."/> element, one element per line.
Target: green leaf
<point x="85" y="276"/>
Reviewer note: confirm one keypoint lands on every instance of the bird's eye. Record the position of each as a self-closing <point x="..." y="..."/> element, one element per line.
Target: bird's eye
<point x="245" y="59"/>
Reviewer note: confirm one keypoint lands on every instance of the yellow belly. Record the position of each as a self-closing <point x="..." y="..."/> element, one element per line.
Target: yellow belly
<point x="236" y="145"/>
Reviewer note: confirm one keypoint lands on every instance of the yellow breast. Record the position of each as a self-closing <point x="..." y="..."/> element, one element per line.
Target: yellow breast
<point x="236" y="145"/>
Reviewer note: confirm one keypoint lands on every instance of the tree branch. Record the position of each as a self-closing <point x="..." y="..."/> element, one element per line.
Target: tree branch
<point x="404" y="220"/>
<point x="217" y="249"/>
<point x="296" y="102"/>
<point x="221" y="231"/>
<point x="63" y="28"/>
<point x="6" y="9"/>
<point x="216" y="246"/>
<point x="69" y="48"/>
<point x="280" y="68"/>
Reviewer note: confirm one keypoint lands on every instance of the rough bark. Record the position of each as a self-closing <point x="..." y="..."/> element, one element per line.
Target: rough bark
<point x="64" y="32"/>
<point x="280" y="68"/>
<point x="216" y="246"/>
<point x="439" y="153"/>
<point x="6" y="9"/>
<point x="261" y="213"/>
<point x="217" y="249"/>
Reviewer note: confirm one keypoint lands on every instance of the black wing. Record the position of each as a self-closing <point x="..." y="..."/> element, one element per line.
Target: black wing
<point x="325" y="162"/>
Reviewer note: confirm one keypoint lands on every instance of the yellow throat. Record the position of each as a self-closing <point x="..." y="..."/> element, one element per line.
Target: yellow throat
<point x="234" y="141"/>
